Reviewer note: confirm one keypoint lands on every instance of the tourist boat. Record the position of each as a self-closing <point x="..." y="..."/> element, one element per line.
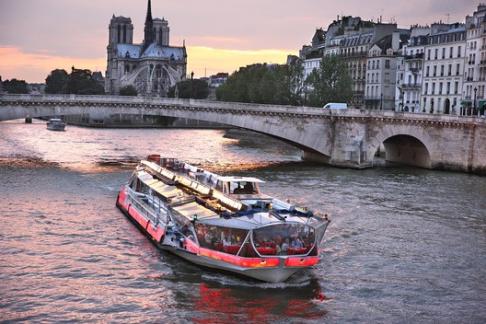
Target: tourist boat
<point x="56" y="124"/>
<point x="220" y="222"/>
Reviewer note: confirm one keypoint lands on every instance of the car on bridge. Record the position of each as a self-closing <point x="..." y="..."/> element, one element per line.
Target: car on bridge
<point x="336" y="105"/>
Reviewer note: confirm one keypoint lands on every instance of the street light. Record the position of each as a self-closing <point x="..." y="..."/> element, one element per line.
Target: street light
<point x="475" y="92"/>
<point x="192" y="85"/>
<point x="402" y="96"/>
<point x="381" y="101"/>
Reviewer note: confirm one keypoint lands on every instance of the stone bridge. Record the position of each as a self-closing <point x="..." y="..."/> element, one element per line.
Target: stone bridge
<point x="347" y="138"/>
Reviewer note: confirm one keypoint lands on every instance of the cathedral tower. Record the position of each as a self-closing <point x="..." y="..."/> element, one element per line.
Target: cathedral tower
<point x="121" y="31"/>
<point x="161" y="27"/>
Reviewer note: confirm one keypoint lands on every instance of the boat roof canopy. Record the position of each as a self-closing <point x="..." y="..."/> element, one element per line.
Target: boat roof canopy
<point x="193" y="209"/>
<point x="240" y="179"/>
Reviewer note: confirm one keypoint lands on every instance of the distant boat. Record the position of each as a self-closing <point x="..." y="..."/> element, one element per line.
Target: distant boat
<point x="56" y="124"/>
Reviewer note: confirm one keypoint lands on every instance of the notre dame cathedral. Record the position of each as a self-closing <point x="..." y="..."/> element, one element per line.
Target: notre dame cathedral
<point x="151" y="67"/>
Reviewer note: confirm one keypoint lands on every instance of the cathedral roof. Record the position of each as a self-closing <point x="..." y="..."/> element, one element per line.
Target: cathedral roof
<point x="152" y="51"/>
<point x="158" y="51"/>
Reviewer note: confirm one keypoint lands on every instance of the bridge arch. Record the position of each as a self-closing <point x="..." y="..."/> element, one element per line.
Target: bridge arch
<point x="405" y="148"/>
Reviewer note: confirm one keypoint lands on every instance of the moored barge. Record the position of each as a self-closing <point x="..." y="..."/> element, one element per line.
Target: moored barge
<point x="220" y="222"/>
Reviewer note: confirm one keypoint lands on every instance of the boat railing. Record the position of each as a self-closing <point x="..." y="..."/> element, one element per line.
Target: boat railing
<point x="147" y="205"/>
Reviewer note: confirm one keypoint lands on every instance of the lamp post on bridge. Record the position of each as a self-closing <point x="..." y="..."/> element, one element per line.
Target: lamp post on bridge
<point x="402" y="104"/>
<point x="475" y="96"/>
<point x="192" y="85"/>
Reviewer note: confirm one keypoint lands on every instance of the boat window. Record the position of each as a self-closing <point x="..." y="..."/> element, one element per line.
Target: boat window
<point x="223" y="239"/>
<point x="243" y="187"/>
<point x="284" y="239"/>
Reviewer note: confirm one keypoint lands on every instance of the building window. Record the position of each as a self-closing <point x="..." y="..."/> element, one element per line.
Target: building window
<point x="440" y="88"/>
<point x="456" y="87"/>
<point x="433" y="88"/>
<point x="426" y="89"/>
<point x="442" y="70"/>
<point x="458" y="68"/>
<point x="459" y="49"/>
<point x="443" y="53"/>
<point x="435" y="70"/>
<point x="451" y="51"/>
<point x="448" y="88"/>
<point x="449" y="73"/>
<point x="427" y="73"/>
<point x="428" y="54"/>
<point x="436" y="56"/>
<point x="387" y="64"/>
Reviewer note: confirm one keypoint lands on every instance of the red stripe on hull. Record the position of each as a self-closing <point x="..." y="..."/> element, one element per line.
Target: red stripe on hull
<point x="239" y="261"/>
<point x="302" y="262"/>
<point x="156" y="233"/>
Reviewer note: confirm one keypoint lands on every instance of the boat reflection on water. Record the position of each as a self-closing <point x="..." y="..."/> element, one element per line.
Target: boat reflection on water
<point x="220" y="303"/>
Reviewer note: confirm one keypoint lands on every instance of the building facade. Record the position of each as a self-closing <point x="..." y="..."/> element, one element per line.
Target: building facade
<point x="444" y="69"/>
<point x="152" y="67"/>
<point x="383" y="60"/>
<point x="475" y="60"/>
<point x="410" y="71"/>
<point x="351" y="39"/>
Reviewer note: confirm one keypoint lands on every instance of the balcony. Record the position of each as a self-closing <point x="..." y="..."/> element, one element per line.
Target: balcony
<point x="419" y="56"/>
<point x="410" y="86"/>
<point x="361" y="54"/>
<point x="469" y="79"/>
<point x="482" y="62"/>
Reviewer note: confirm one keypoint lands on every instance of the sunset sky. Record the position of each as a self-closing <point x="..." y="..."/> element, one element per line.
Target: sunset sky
<point x="37" y="36"/>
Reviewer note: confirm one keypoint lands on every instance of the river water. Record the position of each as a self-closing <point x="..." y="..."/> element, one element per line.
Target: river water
<point x="405" y="245"/>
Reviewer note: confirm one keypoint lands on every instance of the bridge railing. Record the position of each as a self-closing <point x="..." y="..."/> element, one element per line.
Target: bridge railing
<point x="236" y="106"/>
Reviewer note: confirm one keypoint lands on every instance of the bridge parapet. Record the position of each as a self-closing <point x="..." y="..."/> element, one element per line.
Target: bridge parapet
<point x="237" y="107"/>
<point x="347" y="138"/>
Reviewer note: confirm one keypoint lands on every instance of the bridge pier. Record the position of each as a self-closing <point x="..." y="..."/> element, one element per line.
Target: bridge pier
<point x="323" y="159"/>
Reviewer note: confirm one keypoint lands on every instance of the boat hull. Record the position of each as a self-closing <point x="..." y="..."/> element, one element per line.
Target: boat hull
<point x="56" y="128"/>
<point x="269" y="269"/>
<point x="274" y="274"/>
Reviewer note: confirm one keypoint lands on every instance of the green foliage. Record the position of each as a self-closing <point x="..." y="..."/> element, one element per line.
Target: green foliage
<point x="15" y="86"/>
<point x="330" y="83"/>
<point x="128" y="90"/>
<point x="266" y="84"/>
<point x="80" y="81"/>
<point x="195" y="89"/>
<point x="56" y="81"/>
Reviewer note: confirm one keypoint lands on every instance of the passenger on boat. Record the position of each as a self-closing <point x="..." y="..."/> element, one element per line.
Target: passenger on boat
<point x="297" y="243"/>
<point x="239" y="190"/>
<point x="285" y="246"/>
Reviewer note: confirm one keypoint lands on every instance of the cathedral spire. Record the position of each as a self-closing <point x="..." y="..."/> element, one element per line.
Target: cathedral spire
<point x="149" y="12"/>
<point x="149" y="27"/>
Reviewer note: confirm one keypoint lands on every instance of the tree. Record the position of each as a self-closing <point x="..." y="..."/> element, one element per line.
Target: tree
<point x="258" y="83"/>
<point x="330" y="83"/>
<point x="296" y="82"/>
<point x="196" y="89"/>
<point x="81" y="82"/>
<point x="15" y="86"/>
<point x="56" y="81"/>
<point x="128" y="90"/>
